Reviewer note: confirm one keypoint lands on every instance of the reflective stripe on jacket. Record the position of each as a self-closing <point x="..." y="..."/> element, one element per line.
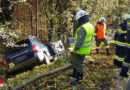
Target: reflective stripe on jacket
<point x="127" y="57"/>
<point x="119" y="58"/>
<point x="85" y="48"/>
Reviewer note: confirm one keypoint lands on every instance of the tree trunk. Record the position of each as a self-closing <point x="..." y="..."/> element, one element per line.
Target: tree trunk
<point x="36" y="18"/>
<point x="51" y="21"/>
<point x="31" y="21"/>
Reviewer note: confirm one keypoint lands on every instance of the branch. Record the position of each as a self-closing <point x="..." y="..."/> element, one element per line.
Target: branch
<point x="24" y="84"/>
<point x="40" y="76"/>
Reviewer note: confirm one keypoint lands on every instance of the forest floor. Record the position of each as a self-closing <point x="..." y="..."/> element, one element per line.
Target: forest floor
<point x="99" y="74"/>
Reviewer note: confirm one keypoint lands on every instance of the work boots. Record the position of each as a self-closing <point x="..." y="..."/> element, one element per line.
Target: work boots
<point x="124" y="74"/>
<point x="73" y="74"/>
<point x="108" y="51"/>
<point x="78" y="78"/>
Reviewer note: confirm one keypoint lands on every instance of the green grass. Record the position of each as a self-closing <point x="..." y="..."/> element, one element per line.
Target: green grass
<point x="99" y="74"/>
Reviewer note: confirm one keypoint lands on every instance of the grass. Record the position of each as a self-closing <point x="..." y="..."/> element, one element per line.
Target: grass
<point x="98" y="74"/>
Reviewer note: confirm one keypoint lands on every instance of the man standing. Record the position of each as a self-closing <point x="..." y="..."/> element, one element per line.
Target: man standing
<point x="120" y="38"/>
<point x="81" y="47"/>
<point x="100" y="35"/>
<point x="126" y="63"/>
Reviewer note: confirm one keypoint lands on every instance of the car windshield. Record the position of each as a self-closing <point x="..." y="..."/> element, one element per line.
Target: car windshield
<point x="24" y="42"/>
<point x="17" y="46"/>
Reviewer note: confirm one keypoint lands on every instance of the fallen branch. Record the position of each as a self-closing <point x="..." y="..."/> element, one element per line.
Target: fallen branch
<point x="24" y="84"/>
<point x="40" y="76"/>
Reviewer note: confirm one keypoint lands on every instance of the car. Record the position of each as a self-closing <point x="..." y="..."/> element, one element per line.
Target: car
<point x="30" y="51"/>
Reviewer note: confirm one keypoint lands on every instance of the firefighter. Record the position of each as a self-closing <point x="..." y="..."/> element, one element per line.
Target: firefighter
<point x="126" y="63"/>
<point x="100" y="30"/>
<point x="81" y="47"/>
<point x="120" y="38"/>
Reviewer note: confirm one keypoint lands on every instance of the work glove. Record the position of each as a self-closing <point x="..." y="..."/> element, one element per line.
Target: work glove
<point x="73" y="52"/>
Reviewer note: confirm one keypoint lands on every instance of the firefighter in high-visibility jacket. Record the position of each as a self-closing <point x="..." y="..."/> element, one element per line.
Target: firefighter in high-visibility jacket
<point x="100" y="31"/>
<point x="81" y="47"/>
<point x="120" y="38"/>
<point x="126" y="62"/>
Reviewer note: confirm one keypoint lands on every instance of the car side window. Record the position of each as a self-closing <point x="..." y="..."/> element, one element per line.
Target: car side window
<point x="17" y="46"/>
<point x="38" y="41"/>
<point x="23" y="42"/>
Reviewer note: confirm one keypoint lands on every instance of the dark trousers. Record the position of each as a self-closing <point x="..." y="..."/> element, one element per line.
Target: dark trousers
<point x="127" y="57"/>
<point x="77" y="62"/>
<point x="126" y="63"/>
<point x="99" y="41"/>
<point x="119" y="55"/>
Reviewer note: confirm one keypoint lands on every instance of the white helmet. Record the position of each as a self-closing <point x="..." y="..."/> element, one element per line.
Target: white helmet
<point x="80" y="14"/>
<point x="102" y="19"/>
<point x="126" y="16"/>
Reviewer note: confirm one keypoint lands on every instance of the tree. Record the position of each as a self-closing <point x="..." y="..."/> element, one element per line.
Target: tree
<point x="6" y="8"/>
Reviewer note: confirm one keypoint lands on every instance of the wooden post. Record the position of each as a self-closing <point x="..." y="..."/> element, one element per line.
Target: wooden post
<point x="31" y="21"/>
<point x="36" y="18"/>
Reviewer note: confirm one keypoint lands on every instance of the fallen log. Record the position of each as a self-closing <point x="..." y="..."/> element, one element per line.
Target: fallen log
<point x="24" y="84"/>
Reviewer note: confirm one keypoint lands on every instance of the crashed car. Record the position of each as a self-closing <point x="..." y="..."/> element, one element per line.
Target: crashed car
<point x="29" y="51"/>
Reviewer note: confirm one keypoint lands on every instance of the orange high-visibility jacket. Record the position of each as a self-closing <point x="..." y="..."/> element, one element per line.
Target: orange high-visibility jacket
<point x="100" y="31"/>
